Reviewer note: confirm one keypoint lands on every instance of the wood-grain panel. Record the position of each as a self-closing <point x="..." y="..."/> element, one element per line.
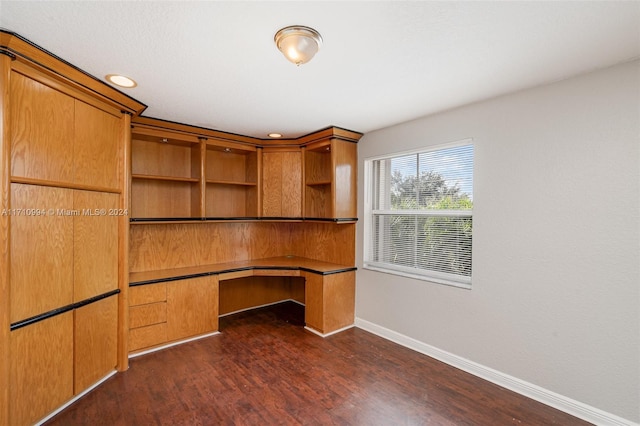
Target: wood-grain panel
<point x="42" y="131"/>
<point x="5" y="191"/>
<point x="41" y="373"/>
<point x="143" y="315"/>
<point x="152" y="198"/>
<point x="144" y="337"/>
<point x="339" y="300"/>
<point x="226" y="200"/>
<point x="228" y="166"/>
<point x="144" y="294"/>
<point x="271" y="239"/>
<point x="163" y="159"/>
<point x="282" y="184"/>
<point x="166" y="246"/>
<point x="330" y="301"/>
<point x="345" y="184"/>
<point x="272" y="184"/>
<point x="192" y="307"/>
<point x="95" y="338"/>
<point x="95" y="244"/>
<point x="331" y="242"/>
<point x="97" y="145"/>
<point x="41" y="250"/>
<point x="314" y="302"/>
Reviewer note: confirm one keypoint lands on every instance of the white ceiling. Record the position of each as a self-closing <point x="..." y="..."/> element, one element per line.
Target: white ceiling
<point x="214" y="64"/>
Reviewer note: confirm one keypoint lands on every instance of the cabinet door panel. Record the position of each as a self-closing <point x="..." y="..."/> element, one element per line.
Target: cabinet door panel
<point x="41" y="131"/>
<point x="192" y="307"/>
<point x="292" y="184"/>
<point x="41" y="368"/>
<point x="41" y="250"/>
<point x="98" y="136"/>
<point x="271" y="184"/>
<point x="282" y="184"/>
<point x="95" y="248"/>
<point x="96" y="335"/>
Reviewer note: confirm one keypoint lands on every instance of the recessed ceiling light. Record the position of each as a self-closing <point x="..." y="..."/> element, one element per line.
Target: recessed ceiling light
<point x="275" y="135"/>
<point x="121" y="80"/>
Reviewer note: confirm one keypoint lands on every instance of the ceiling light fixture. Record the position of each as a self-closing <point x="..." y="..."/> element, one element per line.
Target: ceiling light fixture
<point x="121" y="80"/>
<point x="297" y="43"/>
<point x="275" y="135"/>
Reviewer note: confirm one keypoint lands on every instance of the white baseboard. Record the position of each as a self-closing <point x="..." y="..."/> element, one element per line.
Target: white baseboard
<point x="547" y="397"/>
<point x="168" y="345"/>
<point x="328" y="334"/>
<point x="75" y="398"/>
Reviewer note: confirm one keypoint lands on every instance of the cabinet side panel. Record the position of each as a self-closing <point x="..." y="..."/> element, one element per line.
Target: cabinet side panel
<point x="41" y="250"/>
<point x="41" y="131"/>
<point x="5" y="190"/>
<point x="339" y="300"/>
<point x="41" y="374"/>
<point x="314" y="304"/>
<point x="96" y="334"/>
<point x="345" y="180"/>
<point x="95" y="247"/>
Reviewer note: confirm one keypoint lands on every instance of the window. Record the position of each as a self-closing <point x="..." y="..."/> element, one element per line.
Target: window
<point x="418" y="217"/>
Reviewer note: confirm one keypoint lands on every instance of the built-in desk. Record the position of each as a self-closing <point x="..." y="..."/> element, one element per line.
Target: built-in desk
<point x="173" y="304"/>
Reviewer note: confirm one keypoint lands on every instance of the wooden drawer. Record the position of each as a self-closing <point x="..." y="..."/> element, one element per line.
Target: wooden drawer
<point x="143" y="315"/>
<point x="150" y="293"/>
<point x="144" y="337"/>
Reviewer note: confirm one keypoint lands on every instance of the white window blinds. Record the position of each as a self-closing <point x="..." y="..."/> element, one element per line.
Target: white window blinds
<point x="419" y="209"/>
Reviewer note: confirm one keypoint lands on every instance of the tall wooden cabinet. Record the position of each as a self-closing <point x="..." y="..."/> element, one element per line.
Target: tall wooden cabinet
<point x="64" y="204"/>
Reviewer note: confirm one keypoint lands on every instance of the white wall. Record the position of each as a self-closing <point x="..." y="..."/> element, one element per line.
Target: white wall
<point x="555" y="297"/>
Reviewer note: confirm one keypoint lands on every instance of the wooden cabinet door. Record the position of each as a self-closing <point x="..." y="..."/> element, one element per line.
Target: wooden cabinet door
<point x="95" y="244"/>
<point x="95" y="342"/>
<point x="282" y="183"/>
<point x="96" y="150"/>
<point x="42" y="131"/>
<point x="192" y="307"/>
<point x="41" y="250"/>
<point x="40" y="369"/>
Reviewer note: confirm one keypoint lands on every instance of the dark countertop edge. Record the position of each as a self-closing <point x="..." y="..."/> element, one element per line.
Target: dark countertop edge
<point x="247" y="268"/>
<point x="61" y="310"/>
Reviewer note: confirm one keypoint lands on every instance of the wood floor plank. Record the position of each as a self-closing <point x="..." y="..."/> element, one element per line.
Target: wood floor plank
<point x="265" y="368"/>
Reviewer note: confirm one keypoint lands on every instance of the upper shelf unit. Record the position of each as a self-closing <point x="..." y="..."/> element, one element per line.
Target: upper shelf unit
<point x="185" y="173"/>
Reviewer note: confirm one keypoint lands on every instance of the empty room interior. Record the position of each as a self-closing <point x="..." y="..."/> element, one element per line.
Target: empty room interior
<point x="358" y="213"/>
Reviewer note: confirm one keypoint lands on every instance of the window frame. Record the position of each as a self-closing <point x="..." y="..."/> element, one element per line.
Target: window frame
<point x="370" y="194"/>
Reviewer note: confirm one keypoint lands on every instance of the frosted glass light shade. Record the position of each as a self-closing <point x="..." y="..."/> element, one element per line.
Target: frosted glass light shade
<point x="297" y="43"/>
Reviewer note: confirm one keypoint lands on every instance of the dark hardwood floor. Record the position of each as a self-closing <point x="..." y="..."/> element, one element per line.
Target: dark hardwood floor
<point x="265" y="369"/>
